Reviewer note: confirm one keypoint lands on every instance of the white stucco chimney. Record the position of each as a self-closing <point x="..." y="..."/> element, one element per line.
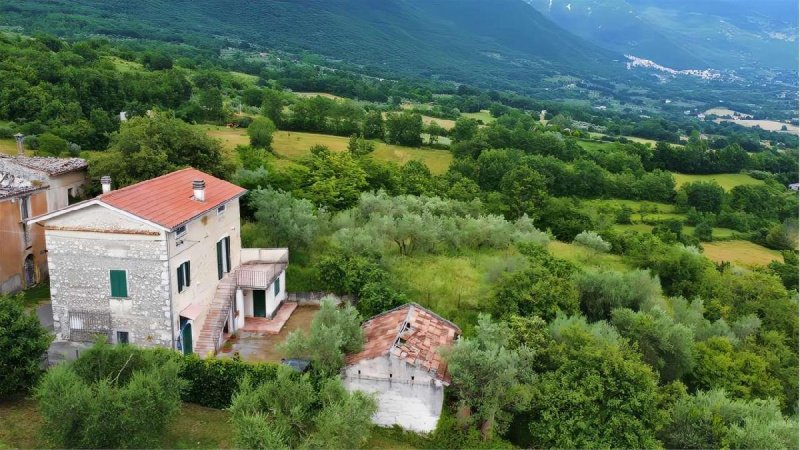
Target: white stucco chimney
<point x="20" y="148"/>
<point x="105" y="182"/>
<point x="199" y="188"/>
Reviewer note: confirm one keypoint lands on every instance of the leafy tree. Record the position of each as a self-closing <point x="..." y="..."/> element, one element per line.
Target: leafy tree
<point x="336" y="179"/>
<point x="416" y="178"/>
<point x="290" y="412"/>
<point x="333" y="333"/>
<point x="210" y="101"/>
<point x="373" y="127"/>
<point x="404" y="129"/>
<point x="592" y="241"/>
<point x="705" y="196"/>
<point x="665" y="345"/>
<point x="524" y="190"/>
<point x="125" y="396"/>
<point x="272" y="105"/>
<point x="260" y="132"/>
<point x="52" y="145"/>
<point x="488" y="376"/>
<point x="147" y="147"/>
<point x="253" y="96"/>
<point x="283" y="219"/>
<point x="378" y="297"/>
<point x="602" y="395"/>
<point x="711" y="419"/>
<point x="23" y="344"/>
<point x="464" y="130"/>
<point x="359" y="146"/>
<point x="603" y="291"/>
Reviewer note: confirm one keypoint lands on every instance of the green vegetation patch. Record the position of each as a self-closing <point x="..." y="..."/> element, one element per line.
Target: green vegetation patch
<point x="584" y="257"/>
<point x="728" y="181"/>
<point x="740" y="252"/>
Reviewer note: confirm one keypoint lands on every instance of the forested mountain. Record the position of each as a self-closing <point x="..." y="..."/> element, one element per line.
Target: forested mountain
<point x="684" y="34"/>
<point x="504" y="41"/>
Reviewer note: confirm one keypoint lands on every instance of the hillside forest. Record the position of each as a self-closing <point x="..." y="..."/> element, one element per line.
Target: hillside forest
<point x="621" y="281"/>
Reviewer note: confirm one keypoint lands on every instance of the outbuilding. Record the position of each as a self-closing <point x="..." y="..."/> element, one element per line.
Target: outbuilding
<point x="402" y="365"/>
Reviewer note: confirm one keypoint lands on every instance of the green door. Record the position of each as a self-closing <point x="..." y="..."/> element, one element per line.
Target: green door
<point x="260" y="303"/>
<point x="186" y="336"/>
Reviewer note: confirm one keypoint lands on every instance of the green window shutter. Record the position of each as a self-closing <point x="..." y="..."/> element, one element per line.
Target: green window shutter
<point x="219" y="260"/>
<point x="228" y="253"/>
<point x="119" y="283"/>
<point x="188" y="280"/>
<point x="180" y="278"/>
<point x="277" y="286"/>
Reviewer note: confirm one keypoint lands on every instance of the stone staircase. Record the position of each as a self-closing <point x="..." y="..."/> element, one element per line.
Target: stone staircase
<point x="208" y="340"/>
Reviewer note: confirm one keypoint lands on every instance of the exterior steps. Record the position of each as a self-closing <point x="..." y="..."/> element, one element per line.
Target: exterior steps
<point x="211" y="333"/>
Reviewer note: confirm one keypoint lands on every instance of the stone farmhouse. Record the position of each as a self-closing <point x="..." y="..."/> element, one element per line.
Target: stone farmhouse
<point x="31" y="186"/>
<point x="402" y="366"/>
<point x="159" y="263"/>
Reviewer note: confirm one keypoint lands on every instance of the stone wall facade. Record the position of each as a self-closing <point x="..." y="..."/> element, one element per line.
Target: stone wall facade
<point x="80" y="264"/>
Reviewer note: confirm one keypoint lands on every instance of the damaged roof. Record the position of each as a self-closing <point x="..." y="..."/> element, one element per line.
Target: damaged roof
<point x="49" y="164"/>
<point x="411" y="333"/>
<point x="16" y="191"/>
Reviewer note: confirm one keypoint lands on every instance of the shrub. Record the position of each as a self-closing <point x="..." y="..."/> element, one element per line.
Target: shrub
<point x="260" y="131"/>
<point x="23" y="344"/>
<point x="111" y="397"/>
<point x="592" y="241"/>
<point x="212" y="382"/>
<point x="52" y="144"/>
<point x="6" y="133"/>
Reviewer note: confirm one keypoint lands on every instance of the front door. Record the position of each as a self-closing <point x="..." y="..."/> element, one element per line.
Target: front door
<point x="260" y="303"/>
<point x="186" y="336"/>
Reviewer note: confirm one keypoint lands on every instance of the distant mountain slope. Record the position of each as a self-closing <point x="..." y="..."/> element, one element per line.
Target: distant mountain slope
<point x="497" y="41"/>
<point x="684" y="34"/>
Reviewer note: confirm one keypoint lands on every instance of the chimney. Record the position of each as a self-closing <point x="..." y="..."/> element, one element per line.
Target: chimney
<point x="105" y="181"/>
<point x="199" y="188"/>
<point x="20" y="139"/>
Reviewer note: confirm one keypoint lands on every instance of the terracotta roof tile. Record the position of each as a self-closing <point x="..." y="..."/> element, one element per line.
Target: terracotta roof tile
<point x="412" y="333"/>
<point x="168" y="200"/>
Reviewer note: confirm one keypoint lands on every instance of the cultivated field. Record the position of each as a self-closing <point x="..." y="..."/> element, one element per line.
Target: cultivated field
<point x="483" y="115"/>
<point x="295" y="145"/>
<point x="447" y="124"/>
<point x="728" y="181"/>
<point x="741" y="252"/>
<point x="769" y="125"/>
<point x="318" y="94"/>
<point x="722" y="111"/>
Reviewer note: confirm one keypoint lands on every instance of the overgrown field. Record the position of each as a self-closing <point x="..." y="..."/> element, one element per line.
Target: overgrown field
<point x="728" y="181"/>
<point x="294" y="145"/>
<point x="740" y="252"/>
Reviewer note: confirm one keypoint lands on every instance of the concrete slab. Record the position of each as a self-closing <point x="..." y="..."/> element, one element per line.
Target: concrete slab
<point x="61" y="351"/>
<point x="270" y="326"/>
<point x="261" y="346"/>
<point x="45" y="313"/>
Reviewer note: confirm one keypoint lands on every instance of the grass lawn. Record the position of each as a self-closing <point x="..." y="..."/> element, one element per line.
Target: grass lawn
<point x="391" y="439"/>
<point x="194" y="427"/>
<point x="35" y="295"/>
<point x="716" y="232"/>
<point x="483" y="115"/>
<point x="454" y="286"/>
<point x="742" y="252"/>
<point x="728" y="181"/>
<point x="295" y="145"/>
<point x="584" y="257"/>
<point x="318" y="94"/>
<point x="635" y="205"/>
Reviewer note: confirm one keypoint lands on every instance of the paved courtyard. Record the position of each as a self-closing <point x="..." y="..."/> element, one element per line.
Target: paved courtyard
<point x="261" y="345"/>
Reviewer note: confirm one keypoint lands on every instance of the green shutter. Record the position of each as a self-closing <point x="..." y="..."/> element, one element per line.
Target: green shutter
<point x="277" y="286"/>
<point x="219" y="260"/>
<point x="228" y="253"/>
<point x="188" y="279"/>
<point x="180" y="278"/>
<point x="119" y="283"/>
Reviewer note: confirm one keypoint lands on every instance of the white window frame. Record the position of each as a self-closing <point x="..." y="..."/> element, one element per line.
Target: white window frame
<point x="179" y="233"/>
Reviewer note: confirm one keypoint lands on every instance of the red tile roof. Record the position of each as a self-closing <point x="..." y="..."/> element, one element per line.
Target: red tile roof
<point x="412" y="333"/>
<point x="168" y="200"/>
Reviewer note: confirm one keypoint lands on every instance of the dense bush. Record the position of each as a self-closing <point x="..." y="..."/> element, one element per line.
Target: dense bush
<point x="213" y="381"/>
<point x="23" y="345"/>
<point x="111" y="397"/>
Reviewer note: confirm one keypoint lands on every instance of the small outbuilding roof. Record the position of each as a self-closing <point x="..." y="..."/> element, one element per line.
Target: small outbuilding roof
<point x="17" y="191"/>
<point x="411" y="333"/>
<point x="48" y="164"/>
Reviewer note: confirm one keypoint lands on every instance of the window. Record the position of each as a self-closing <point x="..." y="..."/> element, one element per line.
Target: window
<point x="277" y="286"/>
<point x="119" y="283"/>
<point x="221" y="209"/>
<point x="122" y="337"/>
<point x="24" y="210"/>
<point x="184" y="276"/>
<point x="223" y="256"/>
<point x="180" y="231"/>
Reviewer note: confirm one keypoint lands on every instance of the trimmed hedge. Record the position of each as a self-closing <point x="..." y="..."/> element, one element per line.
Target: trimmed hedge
<point x="212" y="381"/>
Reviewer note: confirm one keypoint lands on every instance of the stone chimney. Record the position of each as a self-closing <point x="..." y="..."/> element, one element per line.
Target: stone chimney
<point x="199" y="188"/>
<point x="20" y="148"/>
<point x="105" y="182"/>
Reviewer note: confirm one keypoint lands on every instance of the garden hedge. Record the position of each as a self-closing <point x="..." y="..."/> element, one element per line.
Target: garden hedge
<point x="212" y="381"/>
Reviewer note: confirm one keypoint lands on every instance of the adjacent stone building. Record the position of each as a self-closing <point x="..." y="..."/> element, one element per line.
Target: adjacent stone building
<point x="402" y="366"/>
<point x="157" y="263"/>
<point x="31" y="186"/>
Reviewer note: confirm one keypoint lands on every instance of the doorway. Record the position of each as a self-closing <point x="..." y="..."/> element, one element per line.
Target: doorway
<point x="259" y="303"/>
<point x="186" y="336"/>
